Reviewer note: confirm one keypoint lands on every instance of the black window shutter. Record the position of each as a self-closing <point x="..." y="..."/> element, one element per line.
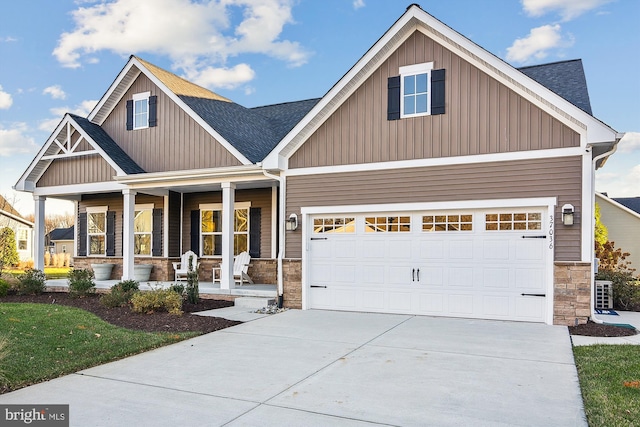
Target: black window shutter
<point x="255" y="215"/>
<point x="153" y="111"/>
<point x="130" y="114"/>
<point x="156" y="237"/>
<point x="195" y="232"/>
<point x="437" y="91"/>
<point x="111" y="233"/>
<point x="82" y="234"/>
<point x="393" y="98"/>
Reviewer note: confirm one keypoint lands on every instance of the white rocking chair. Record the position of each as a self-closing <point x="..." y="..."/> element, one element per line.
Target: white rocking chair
<point x="182" y="268"/>
<point x="240" y="268"/>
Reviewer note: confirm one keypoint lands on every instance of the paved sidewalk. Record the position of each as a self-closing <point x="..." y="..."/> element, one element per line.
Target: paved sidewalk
<point x="625" y="317"/>
<point x="317" y="368"/>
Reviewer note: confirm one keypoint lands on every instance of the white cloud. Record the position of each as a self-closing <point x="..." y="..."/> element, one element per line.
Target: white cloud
<point x="198" y="36"/>
<point x="619" y="184"/>
<point x="227" y="78"/>
<point x="630" y="143"/>
<point x="568" y="9"/>
<point x="15" y="141"/>
<point x="537" y="44"/>
<point x="5" y="99"/>
<point x="8" y="39"/>
<point x="357" y="4"/>
<point x="55" y="91"/>
<point x="83" y="109"/>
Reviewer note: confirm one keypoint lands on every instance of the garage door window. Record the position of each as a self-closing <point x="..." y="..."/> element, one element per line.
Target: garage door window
<point x="506" y="221"/>
<point x="334" y="225"/>
<point x="447" y="223"/>
<point x="387" y="224"/>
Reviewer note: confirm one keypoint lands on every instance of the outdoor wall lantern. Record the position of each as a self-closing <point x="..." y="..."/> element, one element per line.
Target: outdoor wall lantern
<point x="567" y="214"/>
<point x="291" y="224"/>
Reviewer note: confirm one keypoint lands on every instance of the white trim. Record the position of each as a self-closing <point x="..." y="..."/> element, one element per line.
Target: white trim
<point x="140" y="97"/>
<point x="547" y="203"/>
<point x="218" y="206"/>
<point x="96" y="209"/>
<point x="440" y="161"/>
<point x="587" y="214"/>
<point x="77" y="189"/>
<point x="144" y="206"/>
<point x="165" y="226"/>
<point x="413" y="70"/>
<point x="274" y="221"/>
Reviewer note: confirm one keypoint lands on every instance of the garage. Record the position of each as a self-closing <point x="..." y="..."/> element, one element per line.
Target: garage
<point x="475" y="263"/>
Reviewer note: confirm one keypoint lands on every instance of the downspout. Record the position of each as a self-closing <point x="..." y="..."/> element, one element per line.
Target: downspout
<point x="281" y="246"/>
<point x="593" y="215"/>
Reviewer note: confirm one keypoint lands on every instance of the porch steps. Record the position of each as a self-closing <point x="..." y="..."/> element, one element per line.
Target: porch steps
<point x="253" y="302"/>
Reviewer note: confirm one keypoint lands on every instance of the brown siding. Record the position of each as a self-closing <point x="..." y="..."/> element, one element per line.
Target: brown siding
<point x="259" y="198"/>
<point x="558" y="177"/>
<point x="77" y="170"/>
<point x="482" y="116"/>
<point x="177" y="143"/>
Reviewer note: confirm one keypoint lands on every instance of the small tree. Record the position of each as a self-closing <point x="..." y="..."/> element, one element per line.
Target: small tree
<point x="192" y="290"/>
<point x="601" y="233"/>
<point x="8" y="249"/>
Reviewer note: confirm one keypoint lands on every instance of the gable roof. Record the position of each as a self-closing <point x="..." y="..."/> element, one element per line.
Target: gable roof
<point x="61" y="234"/>
<point x="8" y="210"/>
<point x="565" y="78"/>
<point x="632" y="203"/>
<point x="615" y="202"/>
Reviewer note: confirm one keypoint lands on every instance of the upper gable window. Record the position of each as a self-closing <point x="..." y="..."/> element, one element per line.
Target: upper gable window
<point x="141" y="110"/>
<point x="416" y="90"/>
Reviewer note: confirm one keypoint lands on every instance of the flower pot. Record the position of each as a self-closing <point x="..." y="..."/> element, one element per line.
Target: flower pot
<point x="141" y="272"/>
<point x="102" y="271"/>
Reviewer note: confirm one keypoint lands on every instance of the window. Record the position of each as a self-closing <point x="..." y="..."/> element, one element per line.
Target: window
<point x="416" y="89"/>
<point x="141" y="110"/>
<point x="505" y="221"/>
<point x="447" y="223"/>
<point x="96" y="231"/>
<point x="386" y="224"/>
<point x="23" y="237"/>
<point x="142" y="229"/>
<point x="211" y="229"/>
<point x="334" y="225"/>
<point x="64" y="249"/>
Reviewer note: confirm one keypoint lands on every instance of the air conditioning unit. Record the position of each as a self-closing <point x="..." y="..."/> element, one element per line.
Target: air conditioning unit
<point x="604" y="295"/>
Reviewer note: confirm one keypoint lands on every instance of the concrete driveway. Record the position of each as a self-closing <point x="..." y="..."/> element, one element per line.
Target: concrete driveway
<point x="318" y="368"/>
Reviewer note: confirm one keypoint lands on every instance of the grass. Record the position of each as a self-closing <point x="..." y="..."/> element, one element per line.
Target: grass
<point x="46" y="341"/>
<point x="610" y="382"/>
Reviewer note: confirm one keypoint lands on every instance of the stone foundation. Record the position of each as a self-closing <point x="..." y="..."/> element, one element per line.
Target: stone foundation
<point x="572" y="293"/>
<point x="292" y="277"/>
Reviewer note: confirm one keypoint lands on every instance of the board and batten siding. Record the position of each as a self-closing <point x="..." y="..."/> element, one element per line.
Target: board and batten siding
<point x="77" y="170"/>
<point x="481" y="116"/>
<point x="259" y="198"/>
<point x="555" y="177"/>
<point x="177" y="143"/>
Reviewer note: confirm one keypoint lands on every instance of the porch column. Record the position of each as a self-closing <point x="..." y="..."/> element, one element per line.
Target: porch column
<point x="129" y="197"/>
<point x="38" y="237"/>
<point x="228" y="201"/>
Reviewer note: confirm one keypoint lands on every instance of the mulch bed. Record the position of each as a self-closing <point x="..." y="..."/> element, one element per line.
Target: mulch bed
<point x="124" y="317"/>
<point x="592" y="329"/>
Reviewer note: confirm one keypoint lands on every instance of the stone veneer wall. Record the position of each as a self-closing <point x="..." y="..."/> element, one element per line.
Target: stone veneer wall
<point x="292" y="277"/>
<point x="572" y="293"/>
<point x="162" y="267"/>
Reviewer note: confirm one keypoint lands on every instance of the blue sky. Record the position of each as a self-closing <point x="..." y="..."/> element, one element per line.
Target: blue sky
<point x="59" y="56"/>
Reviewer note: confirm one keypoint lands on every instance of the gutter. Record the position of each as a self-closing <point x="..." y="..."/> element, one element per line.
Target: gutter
<point x="281" y="236"/>
<point x="609" y="151"/>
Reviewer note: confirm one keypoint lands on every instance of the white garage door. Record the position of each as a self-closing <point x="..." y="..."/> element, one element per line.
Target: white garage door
<point x="488" y="264"/>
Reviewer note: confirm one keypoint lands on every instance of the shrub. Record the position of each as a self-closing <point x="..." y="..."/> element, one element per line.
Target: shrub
<point x="26" y="265"/>
<point x="47" y="259"/>
<point x="120" y="294"/>
<point x="157" y="300"/>
<point x="626" y="289"/>
<point x="4" y="288"/>
<point x="8" y="249"/>
<point x="81" y="282"/>
<point x="31" y="282"/>
<point x="179" y="289"/>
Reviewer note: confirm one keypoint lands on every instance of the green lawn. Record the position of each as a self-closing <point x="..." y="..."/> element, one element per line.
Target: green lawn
<point x="610" y="382"/>
<point x="47" y="341"/>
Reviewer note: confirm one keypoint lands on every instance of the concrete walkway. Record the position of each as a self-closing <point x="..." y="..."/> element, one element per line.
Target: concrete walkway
<point x="317" y="368"/>
<point x="624" y="317"/>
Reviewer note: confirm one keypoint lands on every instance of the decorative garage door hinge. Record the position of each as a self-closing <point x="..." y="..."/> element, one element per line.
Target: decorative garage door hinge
<point x="534" y="295"/>
<point x="534" y="237"/>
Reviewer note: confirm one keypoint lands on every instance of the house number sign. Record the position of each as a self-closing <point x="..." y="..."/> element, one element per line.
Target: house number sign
<point x="550" y="231"/>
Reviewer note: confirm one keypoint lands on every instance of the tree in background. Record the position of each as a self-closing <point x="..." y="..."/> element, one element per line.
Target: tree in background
<point x="8" y="249"/>
<point x="601" y="232"/>
<point x="51" y="222"/>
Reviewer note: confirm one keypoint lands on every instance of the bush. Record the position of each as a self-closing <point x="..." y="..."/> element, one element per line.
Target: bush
<point x="81" y="282"/>
<point x="4" y="288"/>
<point x="626" y="289"/>
<point x="31" y="282"/>
<point x="157" y="300"/>
<point x="178" y="289"/>
<point x="120" y="294"/>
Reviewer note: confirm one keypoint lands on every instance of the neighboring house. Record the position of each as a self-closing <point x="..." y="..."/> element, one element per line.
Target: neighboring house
<point x="431" y="179"/>
<point x="61" y="240"/>
<point x="23" y="229"/>
<point x="621" y="216"/>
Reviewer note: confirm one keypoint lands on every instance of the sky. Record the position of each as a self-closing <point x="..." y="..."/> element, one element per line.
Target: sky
<point x="61" y="56"/>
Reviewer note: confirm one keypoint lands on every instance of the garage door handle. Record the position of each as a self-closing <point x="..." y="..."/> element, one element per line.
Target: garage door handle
<point x="534" y="295"/>
<point x="413" y="274"/>
<point x="319" y="238"/>
<point x="319" y="286"/>
<point x="534" y="237"/>
<point x="418" y="271"/>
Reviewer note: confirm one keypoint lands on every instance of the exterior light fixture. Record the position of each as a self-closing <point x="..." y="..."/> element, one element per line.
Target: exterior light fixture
<point x="291" y="224"/>
<point x="567" y="214"/>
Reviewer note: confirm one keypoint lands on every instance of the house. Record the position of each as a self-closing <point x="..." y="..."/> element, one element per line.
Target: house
<point x="22" y="229"/>
<point x="433" y="178"/>
<point x="60" y="240"/>
<point x="621" y="216"/>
